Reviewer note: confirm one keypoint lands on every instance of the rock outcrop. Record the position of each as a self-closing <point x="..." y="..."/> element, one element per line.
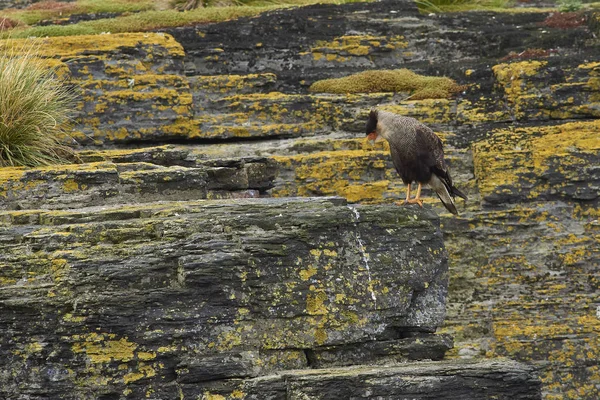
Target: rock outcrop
<point x="183" y="297"/>
<point x="521" y="140"/>
<point x="136" y="176"/>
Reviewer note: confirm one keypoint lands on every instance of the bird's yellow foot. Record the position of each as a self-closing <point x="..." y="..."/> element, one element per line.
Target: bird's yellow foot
<point x="414" y="201"/>
<point x="410" y="201"/>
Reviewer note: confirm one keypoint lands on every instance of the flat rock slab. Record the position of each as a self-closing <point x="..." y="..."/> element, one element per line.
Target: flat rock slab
<point x="446" y="380"/>
<point x="136" y="177"/>
<point x="108" y="300"/>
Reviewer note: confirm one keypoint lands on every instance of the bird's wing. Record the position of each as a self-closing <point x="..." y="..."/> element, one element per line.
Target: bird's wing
<point x="430" y="144"/>
<point x="397" y="154"/>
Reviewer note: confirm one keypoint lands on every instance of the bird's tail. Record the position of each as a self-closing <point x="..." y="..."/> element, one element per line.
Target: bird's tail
<point x="441" y="189"/>
<point x="456" y="192"/>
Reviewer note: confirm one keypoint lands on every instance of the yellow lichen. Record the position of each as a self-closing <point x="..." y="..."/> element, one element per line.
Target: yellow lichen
<point x="70" y="186"/>
<point x="306" y="274"/>
<point x="70" y="46"/>
<point x="211" y="396"/>
<point x="103" y="348"/>
<point x="144" y="371"/>
<point x="514" y="157"/>
<point x="512" y="76"/>
<point x="315" y="303"/>
<point x="143" y="355"/>
<point x="343" y="47"/>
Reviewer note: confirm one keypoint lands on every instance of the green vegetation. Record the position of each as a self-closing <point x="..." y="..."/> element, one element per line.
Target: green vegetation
<point x="399" y="80"/>
<point x="58" y="9"/>
<point x="151" y="19"/>
<point x="569" y="5"/>
<point x="34" y="109"/>
<point x="139" y="22"/>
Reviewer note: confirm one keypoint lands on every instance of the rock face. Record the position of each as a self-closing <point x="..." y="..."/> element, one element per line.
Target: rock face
<point x="137" y="176"/>
<point x="173" y="298"/>
<point x="521" y="140"/>
<point x="439" y="380"/>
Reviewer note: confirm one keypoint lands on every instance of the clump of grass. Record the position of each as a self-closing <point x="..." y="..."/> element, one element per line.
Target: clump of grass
<point x="398" y="80"/>
<point x="34" y="109"/>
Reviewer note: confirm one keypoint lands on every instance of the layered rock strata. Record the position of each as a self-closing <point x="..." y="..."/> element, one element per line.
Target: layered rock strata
<point x="183" y="297"/>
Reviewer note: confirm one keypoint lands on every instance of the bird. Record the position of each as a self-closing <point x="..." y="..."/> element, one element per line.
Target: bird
<point x="417" y="153"/>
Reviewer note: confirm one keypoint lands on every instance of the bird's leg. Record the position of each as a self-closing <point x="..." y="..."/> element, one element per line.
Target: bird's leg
<point x="417" y="199"/>
<point x="405" y="202"/>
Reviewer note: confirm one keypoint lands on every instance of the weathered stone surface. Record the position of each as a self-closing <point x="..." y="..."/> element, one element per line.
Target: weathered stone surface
<point x="123" y="300"/>
<point x="330" y="41"/>
<point x="129" y="87"/>
<point x="524" y="285"/>
<point x="134" y="177"/>
<point x="557" y="162"/>
<point x="439" y="380"/>
<point x="551" y="89"/>
<point x="523" y="255"/>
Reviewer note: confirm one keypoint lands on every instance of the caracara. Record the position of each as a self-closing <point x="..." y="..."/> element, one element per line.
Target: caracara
<point x="417" y="154"/>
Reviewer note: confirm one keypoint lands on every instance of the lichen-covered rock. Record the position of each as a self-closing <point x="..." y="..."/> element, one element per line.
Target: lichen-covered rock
<point x="332" y="41"/>
<point x="419" y="381"/>
<point x="556" y="162"/>
<point x="524" y="286"/>
<point x="363" y="174"/>
<point x="137" y="177"/>
<point x="522" y="256"/>
<point x="129" y="300"/>
<point x="129" y="87"/>
<point x="550" y="89"/>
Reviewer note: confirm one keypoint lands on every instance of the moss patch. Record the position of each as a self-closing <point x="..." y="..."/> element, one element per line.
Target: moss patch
<point x="59" y="9"/>
<point x="148" y="20"/>
<point x="399" y="80"/>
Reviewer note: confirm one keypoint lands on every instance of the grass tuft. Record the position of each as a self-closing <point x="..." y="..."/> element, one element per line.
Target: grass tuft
<point x="398" y="80"/>
<point x="34" y="109"/>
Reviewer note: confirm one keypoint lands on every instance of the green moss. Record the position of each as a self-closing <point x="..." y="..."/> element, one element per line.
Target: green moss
<point x="154" y="19"/>
<point x="61" y="10"/>
<point x="399" y="80"/>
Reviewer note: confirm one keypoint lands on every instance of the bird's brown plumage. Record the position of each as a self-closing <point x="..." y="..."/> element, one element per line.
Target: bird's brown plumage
<point x="417" y="153"/>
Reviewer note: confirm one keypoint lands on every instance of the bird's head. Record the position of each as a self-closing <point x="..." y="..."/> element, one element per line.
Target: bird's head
<point x="372" y="126"/>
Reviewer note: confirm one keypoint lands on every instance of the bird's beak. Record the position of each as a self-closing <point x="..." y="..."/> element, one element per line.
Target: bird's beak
<point x="372" y="137"/>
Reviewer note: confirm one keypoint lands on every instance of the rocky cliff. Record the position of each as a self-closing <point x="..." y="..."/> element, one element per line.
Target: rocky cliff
<point x="187" y="298"/>
<point x="223" y="111"/>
